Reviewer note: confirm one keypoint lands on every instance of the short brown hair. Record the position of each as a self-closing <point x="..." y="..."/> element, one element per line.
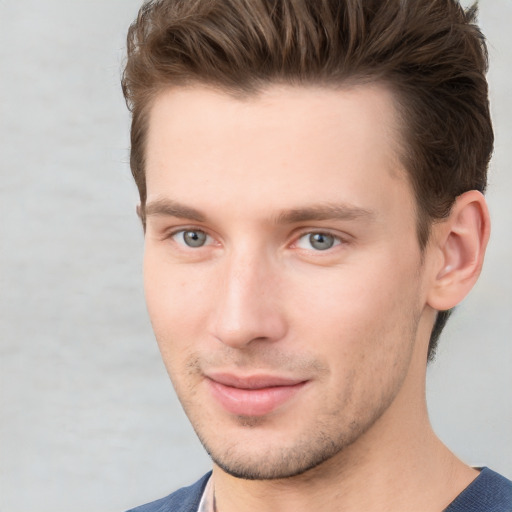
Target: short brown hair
<point x="429" y="53"/>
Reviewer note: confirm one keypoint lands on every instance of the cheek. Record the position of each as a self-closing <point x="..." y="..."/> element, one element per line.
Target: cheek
<point x="176" y="300"/>
<point x="366" y="336"/>
<point x="356" y="313"/>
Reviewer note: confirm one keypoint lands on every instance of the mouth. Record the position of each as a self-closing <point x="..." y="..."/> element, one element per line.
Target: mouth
<point x="254" y="395"/>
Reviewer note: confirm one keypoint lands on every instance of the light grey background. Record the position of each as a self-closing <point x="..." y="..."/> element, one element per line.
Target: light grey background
<point x="88" y="418"/>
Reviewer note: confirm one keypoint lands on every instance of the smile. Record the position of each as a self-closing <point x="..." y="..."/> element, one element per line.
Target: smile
<point x="252" y="396"/>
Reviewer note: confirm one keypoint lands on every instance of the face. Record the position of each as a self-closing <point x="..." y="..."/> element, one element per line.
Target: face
<point x="282" y="270"/>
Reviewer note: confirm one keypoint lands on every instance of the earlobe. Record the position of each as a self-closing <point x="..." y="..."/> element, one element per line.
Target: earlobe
<point x="461" y="240"/>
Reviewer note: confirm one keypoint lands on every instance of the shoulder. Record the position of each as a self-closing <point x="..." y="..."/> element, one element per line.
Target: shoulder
<point x="489" y="492"/>
<point x="185" y="499"/>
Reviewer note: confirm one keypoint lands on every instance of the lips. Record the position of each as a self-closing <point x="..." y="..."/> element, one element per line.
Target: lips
<point x="254" y="395"/>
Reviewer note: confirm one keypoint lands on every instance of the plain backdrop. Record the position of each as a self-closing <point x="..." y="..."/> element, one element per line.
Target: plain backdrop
<point x="89" y="421"/>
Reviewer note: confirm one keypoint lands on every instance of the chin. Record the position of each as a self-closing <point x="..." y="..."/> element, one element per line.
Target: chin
<point x="258" y="457"/>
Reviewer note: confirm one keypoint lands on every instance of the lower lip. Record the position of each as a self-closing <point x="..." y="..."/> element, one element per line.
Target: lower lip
<point x="252" y="402"/>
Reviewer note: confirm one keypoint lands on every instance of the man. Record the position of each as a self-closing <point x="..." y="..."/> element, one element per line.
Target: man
<point x="311" y="176"/>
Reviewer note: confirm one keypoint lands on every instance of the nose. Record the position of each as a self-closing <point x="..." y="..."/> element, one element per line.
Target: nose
<point x="248" y="307"/>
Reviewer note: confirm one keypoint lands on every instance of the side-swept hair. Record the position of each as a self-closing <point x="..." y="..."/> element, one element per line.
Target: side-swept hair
<point x="429" y="53"/>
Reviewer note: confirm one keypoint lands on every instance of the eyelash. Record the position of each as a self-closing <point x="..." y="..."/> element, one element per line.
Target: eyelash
<point x="173" y="235"/>
<point x="336" y="240"/>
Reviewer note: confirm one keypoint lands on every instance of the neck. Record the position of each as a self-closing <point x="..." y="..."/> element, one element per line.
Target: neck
<point x="398" y="464"/>
<point x="358" y="479"/>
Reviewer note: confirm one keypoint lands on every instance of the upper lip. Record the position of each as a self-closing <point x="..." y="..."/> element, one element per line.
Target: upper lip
<point x="258" y="381"/>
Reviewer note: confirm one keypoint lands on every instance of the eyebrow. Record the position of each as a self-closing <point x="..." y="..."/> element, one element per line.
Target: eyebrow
<point x="323" y="211"/>
<point x="327" y="211"/>
<point x="172" y="208"/>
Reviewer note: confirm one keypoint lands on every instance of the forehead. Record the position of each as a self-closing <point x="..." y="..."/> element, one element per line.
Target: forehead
<point x="282" y="146"/>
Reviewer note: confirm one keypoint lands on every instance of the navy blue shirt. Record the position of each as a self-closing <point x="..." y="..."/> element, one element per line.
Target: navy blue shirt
<point x="489" y="492"/>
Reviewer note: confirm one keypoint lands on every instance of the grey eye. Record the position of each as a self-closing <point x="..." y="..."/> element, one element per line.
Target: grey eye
<point x="318" y="241"/>
<point x="321" y="241"/>
<point x="194" y="238"/>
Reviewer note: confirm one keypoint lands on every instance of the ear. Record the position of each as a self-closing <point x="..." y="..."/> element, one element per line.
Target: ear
<point x="140" y="213"/>
<point x="460" y="241"/>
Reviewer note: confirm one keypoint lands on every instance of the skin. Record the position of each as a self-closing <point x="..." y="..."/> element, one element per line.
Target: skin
<point x="255" y="178"/>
